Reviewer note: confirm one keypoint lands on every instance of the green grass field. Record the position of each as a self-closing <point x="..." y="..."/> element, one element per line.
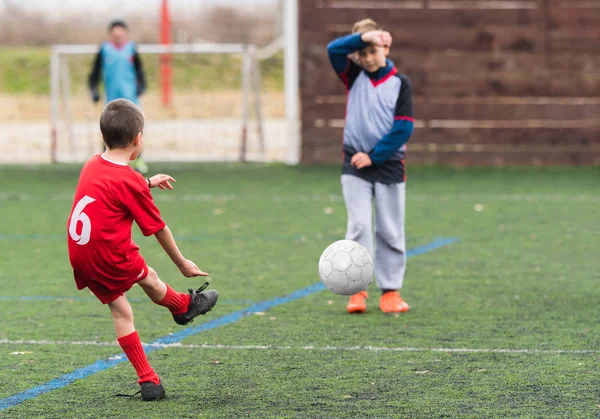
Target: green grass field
<point x="522" y="280"/>
<point x="27" y="71"/>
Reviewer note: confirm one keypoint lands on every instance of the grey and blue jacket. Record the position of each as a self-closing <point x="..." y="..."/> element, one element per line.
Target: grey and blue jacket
<point x="379" y="113"/>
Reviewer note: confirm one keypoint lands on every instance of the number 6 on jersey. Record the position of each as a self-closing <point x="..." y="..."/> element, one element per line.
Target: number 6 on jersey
<point x="79" y="216"/>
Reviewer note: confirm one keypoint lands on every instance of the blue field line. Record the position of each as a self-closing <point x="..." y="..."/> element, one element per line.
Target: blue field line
<point x="131" y="300"/>
<point x="177" y="337"/>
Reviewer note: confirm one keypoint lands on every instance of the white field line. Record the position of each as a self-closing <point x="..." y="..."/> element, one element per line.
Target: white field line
<point x="479" y="197"/>
<point x="311" y="347"/>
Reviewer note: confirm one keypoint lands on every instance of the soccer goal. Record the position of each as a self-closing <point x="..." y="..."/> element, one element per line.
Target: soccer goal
<point x="221" y="109"/>
<point x="215" y="113"/>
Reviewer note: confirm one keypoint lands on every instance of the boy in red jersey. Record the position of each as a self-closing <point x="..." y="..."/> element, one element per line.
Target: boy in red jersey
<point x="109" y="197"/>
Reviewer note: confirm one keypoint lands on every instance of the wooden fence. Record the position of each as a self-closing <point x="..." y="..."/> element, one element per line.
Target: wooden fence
<point x="496" y="82"/>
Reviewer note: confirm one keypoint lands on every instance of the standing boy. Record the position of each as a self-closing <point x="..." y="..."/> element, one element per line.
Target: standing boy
<point x="379" y="122"/>
<point x="120" y="67"/>
<point x="109" y="197"/>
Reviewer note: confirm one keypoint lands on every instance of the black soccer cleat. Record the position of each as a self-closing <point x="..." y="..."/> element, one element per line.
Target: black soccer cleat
<point x="151" y="391"/>
<point x="201" y="302"/>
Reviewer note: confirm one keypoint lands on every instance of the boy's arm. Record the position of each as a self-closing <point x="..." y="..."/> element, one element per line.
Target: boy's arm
<point x="140" y="75"/>
<point x="94" y="78"/>
<point x="140" y="204"/>
<point x="167" y="241"/>
<point x="401" y="130"/>
<point x="338" y="51"/>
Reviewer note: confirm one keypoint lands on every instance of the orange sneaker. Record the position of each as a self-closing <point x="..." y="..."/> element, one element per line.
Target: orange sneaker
<point x="357" y="303"/>
<point x="391" y="302"/>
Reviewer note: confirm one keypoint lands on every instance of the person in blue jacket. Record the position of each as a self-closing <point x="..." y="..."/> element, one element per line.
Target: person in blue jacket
<point x="119" y="66"/>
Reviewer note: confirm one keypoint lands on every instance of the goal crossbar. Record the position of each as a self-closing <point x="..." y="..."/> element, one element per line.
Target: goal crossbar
<point x="194" y="48"/>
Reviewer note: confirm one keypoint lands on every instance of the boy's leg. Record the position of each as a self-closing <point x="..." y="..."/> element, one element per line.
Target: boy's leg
<point x="358" y="195"/>
<point x="183" y="307"/>
<point x="129" y="340"/>
<point x="390" y="243"/>
<point x="140" y="165"/>
<point x="163" y="295"/>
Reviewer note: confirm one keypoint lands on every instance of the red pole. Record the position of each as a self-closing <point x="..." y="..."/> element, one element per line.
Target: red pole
<point x="165" y="59"/>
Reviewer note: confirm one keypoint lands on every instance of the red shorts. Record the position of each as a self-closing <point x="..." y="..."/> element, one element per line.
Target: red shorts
<point x="107" y="288"/>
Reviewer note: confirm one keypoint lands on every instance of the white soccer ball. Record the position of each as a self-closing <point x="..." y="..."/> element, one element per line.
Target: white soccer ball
<point x="346" y="267"/>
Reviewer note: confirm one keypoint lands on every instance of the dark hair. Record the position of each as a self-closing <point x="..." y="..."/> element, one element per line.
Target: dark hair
<point x="117" y="24"/>
<point x="120" y="122"/>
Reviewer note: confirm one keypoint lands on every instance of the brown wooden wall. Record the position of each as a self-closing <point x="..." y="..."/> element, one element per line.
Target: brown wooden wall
<point x="496" y="82"/>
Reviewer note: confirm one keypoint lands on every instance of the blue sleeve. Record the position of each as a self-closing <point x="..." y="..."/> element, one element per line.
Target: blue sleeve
<point x="94" y="77"/>
<point x="339" y="49"/>
<point x="140" y="75"/>
<point x="391" y="142"/>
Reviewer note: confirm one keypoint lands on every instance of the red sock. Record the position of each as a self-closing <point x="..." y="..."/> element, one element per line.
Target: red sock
<point x="132" y="346"/>
<point x="176" y="302"/>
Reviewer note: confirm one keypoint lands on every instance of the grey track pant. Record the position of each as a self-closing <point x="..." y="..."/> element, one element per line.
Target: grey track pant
<point x="390" y="242"/>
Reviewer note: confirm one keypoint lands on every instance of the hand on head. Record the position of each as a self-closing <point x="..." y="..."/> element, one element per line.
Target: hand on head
<point x="379" y="38"/>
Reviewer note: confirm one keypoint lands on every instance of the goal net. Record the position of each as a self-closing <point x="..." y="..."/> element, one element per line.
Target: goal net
<point x="215" y="112"/>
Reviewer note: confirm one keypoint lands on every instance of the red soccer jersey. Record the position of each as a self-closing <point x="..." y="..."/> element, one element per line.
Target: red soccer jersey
<point x="109" y="197"/>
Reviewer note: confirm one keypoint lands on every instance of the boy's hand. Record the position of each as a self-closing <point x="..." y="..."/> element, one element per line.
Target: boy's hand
<point x="95" y="95"/>
<point x="361" y="160"/>
<point x="162" y="181"/>
<point x="379" y="38"/>
<point x="189" y="269"/>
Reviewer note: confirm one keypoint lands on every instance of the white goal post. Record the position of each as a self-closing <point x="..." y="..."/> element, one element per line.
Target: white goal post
<point x="198" y="139"/>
